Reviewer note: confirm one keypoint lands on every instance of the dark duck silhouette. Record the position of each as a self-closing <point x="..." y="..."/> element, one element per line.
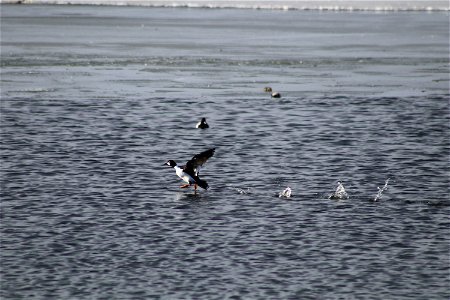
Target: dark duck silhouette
<point x="202" y="124"/>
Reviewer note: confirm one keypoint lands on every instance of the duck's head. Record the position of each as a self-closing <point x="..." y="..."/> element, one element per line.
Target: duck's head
<point x="171" y="163"/>
<point x="203" y="120"/>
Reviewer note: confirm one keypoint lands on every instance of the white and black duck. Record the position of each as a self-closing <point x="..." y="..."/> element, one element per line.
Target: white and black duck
<point x="189" y="173"/>
<point x="202" y="124"/>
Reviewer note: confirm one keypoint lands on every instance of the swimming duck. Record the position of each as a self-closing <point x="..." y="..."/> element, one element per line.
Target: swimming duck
<point x="202" y="124"/>
<point x="268" y="89"/>
<point x="276" y="95"/>
<point x="189" y="172"/>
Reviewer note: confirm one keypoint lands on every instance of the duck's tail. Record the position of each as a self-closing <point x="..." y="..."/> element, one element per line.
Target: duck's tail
<point x="202" y="183"/>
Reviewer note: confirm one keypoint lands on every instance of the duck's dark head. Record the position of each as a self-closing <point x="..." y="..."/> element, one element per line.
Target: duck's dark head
<point x="171" y="163"/>
<point x="203" y="120"/>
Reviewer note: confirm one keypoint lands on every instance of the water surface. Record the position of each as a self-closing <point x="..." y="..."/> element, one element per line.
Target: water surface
<point x="95" y="99"/>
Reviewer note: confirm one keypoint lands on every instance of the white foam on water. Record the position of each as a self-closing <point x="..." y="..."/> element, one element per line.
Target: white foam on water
<point x="340" y="193"/>
<point x="286" y="193"/>
<point x="334" y="5"/>
<point x="381" y="190"/>
<point x="242" y="191"/>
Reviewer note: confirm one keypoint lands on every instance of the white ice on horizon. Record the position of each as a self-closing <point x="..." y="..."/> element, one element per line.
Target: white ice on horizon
<point x="377" y="5"/>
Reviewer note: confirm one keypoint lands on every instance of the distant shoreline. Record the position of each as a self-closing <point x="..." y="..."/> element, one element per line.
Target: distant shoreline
<point x="321" y="5"/>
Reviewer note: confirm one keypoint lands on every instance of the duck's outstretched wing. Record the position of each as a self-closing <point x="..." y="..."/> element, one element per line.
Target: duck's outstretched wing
<point x="193" y="166"/>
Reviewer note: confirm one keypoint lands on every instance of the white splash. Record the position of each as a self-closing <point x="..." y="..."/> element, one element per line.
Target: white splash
<point x="381" y="190"/>
<point x="286" y="193"/>
<point x="340" y="193"/>
<point x="242" y="191"/>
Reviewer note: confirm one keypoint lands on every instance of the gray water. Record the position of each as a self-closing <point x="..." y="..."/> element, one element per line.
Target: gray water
<point x="94" y="100"/>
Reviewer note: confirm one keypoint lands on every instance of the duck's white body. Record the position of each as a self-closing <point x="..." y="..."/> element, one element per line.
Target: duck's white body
<point x="202" y="124"/>
<point x="183" y="175"/>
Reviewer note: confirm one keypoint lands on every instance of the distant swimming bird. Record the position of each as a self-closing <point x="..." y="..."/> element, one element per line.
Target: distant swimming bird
<point x="202" y="124"/>
<point x="268" y="89"/>
<point x="189" y="172"/>
<point x="276" y="95"/>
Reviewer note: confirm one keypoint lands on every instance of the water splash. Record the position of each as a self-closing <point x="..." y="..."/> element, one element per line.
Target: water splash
<point x="286" y="193"/>
<point x="340" y="193"/>
<point x="242" y="191"/>
<point x="381" y="190"/>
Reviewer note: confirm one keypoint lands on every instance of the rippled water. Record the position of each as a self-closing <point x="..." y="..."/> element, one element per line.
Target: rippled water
<point x="96" y="99"/>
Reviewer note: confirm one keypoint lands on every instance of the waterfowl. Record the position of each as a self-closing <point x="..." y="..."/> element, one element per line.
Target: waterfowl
<point x="276" y="95"/>
<point x="202" y="124"/>
<point x="189" y="172"/>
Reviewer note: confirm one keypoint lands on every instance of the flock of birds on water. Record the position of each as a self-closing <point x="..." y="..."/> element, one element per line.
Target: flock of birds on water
<point x="189" y="172"/>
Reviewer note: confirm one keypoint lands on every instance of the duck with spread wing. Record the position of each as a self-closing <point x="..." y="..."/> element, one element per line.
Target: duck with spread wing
<point x="189" y="172"/>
